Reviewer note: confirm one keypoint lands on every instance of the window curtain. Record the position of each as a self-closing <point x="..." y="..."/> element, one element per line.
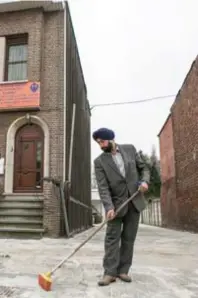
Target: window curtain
<point x="17" y="63"/>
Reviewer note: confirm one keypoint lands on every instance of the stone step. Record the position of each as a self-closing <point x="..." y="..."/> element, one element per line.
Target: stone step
<point x="23" y="197"/>
<point x="36" y="223"/>
<point x="21" y="216"/>
<point x="16" y="232"/>
<point x="21" y="212"/>
<point x="30" y="225"/>
<point x="21" y="219"/>
<point x="6" y="204"/>
<point x="23" y="230"/>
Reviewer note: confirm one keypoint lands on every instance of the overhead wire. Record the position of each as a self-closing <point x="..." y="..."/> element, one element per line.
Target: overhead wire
<point x="131" y="102"/>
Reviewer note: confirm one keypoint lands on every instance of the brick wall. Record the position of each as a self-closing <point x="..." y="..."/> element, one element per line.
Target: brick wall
<point x="167" y="163"/>
<point x="29" y="22"/>
<point x="52" y="109"/>
<point x="167" y="151"/>
<point x="185" y="124"/>
<point x="45" y="64"/>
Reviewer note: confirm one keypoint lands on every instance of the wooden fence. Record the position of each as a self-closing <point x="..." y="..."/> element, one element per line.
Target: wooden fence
<point x="152" y="214"/>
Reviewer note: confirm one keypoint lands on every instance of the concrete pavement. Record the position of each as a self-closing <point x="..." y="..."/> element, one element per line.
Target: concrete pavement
<point x="165" y="266"/>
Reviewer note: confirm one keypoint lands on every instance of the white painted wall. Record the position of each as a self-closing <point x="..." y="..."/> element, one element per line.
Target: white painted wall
<point x="2" y="57"/>
<point x="152" y="214"/>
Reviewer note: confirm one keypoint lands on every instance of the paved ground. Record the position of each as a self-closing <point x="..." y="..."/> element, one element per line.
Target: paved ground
<point x="165" y="266"/>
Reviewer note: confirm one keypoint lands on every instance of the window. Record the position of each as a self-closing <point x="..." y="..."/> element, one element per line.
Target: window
<point x="16" y="58"/>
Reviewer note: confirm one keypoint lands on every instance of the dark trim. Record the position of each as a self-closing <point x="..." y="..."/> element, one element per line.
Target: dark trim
<point x="17" y="39"/>
<point x="21" y="109"/>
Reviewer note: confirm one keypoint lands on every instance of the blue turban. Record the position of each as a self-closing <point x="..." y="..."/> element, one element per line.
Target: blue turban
<point x="103" y="134"/>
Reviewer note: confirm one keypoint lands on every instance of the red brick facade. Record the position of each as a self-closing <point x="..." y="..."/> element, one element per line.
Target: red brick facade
<point x="46" y="65"/>
<point x="167" y="164"/>
<point x="167" y="151"/>
<point x="181" y="210"/>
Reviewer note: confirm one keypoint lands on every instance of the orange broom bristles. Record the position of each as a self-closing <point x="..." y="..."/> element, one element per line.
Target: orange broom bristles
<point x="45" y="281"/>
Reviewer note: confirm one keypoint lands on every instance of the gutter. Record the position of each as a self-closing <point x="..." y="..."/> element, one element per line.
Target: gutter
<point x="64" y="96"/>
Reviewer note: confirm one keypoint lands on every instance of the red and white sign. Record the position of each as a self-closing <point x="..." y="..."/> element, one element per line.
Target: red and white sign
<point x="19" y="95"/>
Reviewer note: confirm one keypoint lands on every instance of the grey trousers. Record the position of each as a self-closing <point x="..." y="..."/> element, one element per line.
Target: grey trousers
<point x="119" y="242"/>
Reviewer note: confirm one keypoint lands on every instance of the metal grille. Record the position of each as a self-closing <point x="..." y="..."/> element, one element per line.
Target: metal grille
<point x="79" y="218"/>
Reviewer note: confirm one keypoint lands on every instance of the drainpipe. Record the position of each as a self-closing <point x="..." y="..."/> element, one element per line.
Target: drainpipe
<point x="64" y="96"/>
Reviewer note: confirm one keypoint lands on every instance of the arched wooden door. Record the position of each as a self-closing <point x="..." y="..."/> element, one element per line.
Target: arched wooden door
<point x="28" y="159"/>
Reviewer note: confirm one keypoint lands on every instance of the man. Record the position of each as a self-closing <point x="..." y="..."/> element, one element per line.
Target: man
<point x="119" y="172"/>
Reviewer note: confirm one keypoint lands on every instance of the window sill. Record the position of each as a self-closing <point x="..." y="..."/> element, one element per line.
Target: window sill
<point x="12" y="82"/>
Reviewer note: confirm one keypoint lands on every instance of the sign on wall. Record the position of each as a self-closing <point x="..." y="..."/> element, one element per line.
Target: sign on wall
<point x="19" y="95"/>
<point x="1" y="166"/>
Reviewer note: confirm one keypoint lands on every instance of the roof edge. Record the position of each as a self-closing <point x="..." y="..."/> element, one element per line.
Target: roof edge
<point x="14" y="6"/>
<point x="178" y="94"/>
<point x="184" y="81"/>
<point x="168" y="117"/>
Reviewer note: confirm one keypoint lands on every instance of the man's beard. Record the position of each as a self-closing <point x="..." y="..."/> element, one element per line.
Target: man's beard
<point x="108" y="148"/>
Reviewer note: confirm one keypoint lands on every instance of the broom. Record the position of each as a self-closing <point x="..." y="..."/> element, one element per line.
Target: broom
<point x="45" y="279"/>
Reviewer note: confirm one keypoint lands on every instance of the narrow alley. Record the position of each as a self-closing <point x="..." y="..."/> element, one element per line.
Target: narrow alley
<point x="165" y="266"/>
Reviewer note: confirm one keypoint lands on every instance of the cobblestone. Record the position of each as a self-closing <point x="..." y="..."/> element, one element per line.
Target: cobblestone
<point x="165" y="266"/>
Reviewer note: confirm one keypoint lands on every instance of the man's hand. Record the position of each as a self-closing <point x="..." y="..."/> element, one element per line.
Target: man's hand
<point x="110" y="214"/>
<point x="143" y="187"/>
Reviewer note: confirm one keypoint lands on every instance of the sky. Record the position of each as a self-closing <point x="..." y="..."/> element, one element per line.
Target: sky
<point x="132" y="50"/>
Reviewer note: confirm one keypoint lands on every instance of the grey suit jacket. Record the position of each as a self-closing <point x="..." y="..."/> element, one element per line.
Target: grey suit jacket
<point x="113" y="187"/>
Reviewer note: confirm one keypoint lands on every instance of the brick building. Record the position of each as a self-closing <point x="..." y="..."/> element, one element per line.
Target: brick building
<point x="40" y="80"/>
<point x="179" y="157"/>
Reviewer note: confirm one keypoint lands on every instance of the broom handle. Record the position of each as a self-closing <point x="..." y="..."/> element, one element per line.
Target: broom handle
<point x="95" y="232"/>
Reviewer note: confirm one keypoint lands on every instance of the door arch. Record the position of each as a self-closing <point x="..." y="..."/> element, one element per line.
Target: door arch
<point x="28" y="159"/>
